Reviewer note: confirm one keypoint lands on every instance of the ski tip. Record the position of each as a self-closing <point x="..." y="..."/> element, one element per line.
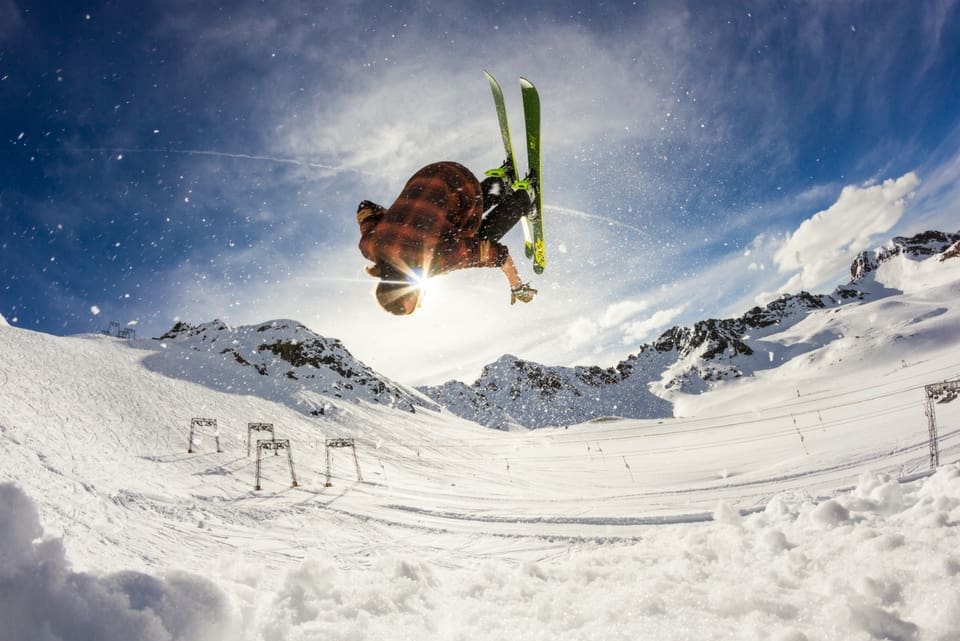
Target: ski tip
<point x="526" y="83"/>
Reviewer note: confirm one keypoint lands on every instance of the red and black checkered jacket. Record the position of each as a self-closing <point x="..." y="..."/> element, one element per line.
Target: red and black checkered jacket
<point x="431" y="228"/>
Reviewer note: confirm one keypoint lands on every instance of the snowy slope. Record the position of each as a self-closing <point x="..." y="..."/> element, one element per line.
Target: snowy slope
<point x="771" y="510"/>
<point x="913" y="273"/>
<point x="599" y="529"/>
<point x="279" y="360"/>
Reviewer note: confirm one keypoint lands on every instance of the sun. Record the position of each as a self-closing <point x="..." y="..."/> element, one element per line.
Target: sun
<point x="430" y="288"/>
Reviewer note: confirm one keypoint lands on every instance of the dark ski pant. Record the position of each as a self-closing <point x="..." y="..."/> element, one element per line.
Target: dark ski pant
<point x="506" y="212"/>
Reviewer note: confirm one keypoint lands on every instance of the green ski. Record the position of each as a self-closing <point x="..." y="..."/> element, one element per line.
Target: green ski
<point x="510" y="164"/>
<point x="531" y="117"/>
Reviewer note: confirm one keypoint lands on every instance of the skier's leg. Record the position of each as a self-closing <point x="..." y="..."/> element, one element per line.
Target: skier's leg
<point x="505" y="215"/>
<point x="494" y="191"/>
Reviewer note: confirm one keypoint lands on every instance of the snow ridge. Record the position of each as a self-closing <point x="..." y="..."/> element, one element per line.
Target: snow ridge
<point x="279" y="360"/>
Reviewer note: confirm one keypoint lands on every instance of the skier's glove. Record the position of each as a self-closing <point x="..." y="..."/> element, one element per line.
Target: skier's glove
<point x="523" y="293"/>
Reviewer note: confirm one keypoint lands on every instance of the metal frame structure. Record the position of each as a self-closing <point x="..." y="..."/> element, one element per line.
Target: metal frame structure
<point x="259" y="427"/>
<point x="335" y="443"/>
<point x="114" y="329"/>
<point x="275" y="445"/>
<point x="937" y="393"/>
<point x="197" y="426"/>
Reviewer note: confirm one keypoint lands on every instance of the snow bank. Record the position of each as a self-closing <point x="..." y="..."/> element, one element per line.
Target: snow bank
<point x="42" y="599"/>
<point x="879" y="562"/>
<point x="3" y="321"/>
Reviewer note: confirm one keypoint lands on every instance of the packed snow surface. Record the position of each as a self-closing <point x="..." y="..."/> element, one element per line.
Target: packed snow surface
<point x="796" y="504"/>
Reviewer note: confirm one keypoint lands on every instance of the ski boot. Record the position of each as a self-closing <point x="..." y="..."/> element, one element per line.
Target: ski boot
<point x="505" y="174"/>
<point x="529" y="184"/>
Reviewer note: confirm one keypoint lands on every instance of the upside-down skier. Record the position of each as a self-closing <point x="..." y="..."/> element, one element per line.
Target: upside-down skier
<point x="437" y="225"/>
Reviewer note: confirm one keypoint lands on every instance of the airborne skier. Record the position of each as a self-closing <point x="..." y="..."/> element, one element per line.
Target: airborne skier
<point x="436" y="226"/>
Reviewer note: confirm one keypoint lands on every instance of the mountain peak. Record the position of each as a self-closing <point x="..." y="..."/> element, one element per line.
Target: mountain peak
<point x="917" y="247"/>
<point x="280" y="359"/>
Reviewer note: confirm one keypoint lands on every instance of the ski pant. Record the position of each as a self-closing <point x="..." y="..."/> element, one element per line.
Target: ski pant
<point x="506" y="212"/>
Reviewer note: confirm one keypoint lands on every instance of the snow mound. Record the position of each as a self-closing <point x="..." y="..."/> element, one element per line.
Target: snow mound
<point x="42" y="597"/>
<point x="838" y="569"/>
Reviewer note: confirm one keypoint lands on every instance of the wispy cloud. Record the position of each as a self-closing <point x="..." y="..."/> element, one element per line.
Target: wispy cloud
<point x="641" y="330"/>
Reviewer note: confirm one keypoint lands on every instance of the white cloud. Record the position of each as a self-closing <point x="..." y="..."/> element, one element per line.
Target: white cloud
<point x="621" y="311"/>
<point x="823" y="246"/>
<point x="580" y="333"/>
<point x="584" y="331"/>
<point x="636" y="332"/>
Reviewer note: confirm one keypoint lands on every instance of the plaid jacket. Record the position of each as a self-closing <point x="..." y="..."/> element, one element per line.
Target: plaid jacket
<point x="431" y="227"/>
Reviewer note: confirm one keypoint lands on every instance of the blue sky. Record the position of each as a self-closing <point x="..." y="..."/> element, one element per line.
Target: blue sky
<point x="179" y="161"/>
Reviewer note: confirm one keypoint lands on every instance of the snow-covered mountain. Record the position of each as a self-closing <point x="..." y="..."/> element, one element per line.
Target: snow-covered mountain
<point x="280" y="360"/>
<point x="926" y="244"/>
<point x="690" y="360"/>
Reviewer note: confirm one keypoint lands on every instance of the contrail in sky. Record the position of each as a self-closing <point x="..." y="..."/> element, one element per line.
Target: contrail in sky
<point x="218" y="154"/>
<point x="609" y="221"/>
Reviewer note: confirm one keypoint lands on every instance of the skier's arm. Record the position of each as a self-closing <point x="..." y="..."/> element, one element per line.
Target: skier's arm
<point x="463" y="253"/>
<point x="509" y="269"/>
<point x="519" y="291"/>
<point x="484" y="253"/>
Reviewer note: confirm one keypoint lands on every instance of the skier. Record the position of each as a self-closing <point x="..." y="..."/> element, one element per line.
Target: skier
<point x="437" y="225"/>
